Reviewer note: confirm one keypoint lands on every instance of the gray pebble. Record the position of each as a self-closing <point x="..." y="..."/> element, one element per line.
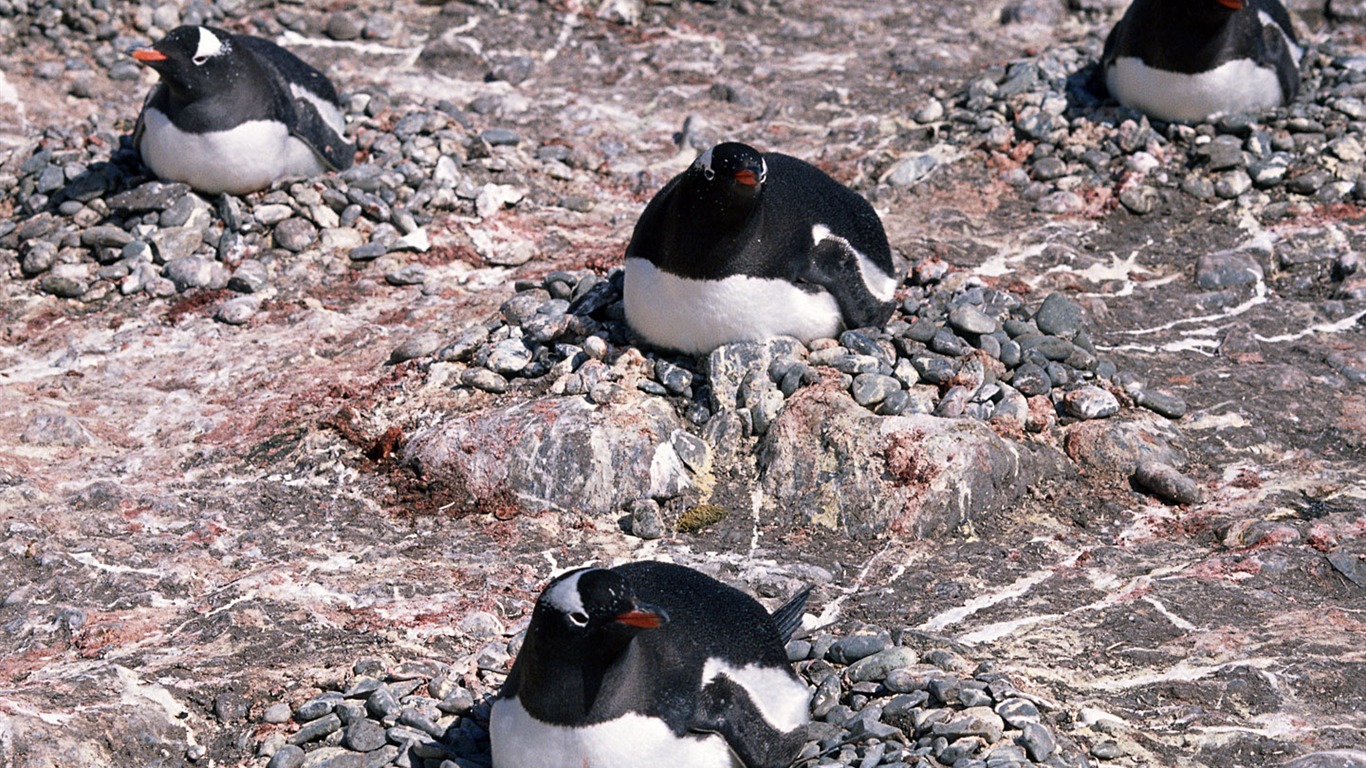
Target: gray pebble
<point x="484" y="379"/>
<point x="1167" y="482"/>
<point x="412" y="274"/>
<point x="288" y="756"/>
<point x="414" y="347"/>
<point x="277" y="713"/>
<point x="1162" y="403"/>
<point x="316" y="729"/>
<point x="1031" y="380"/>
<point x="236" y="311"/>
<point x="249" y="277"/>
<point x="1107" y="750"/>
<point x="970" y="319"/>
<point x="1038" y="742"/>
<point x="1090" y="402"/>
<point x="870" y="389"/>
<point x="646" y="521"/>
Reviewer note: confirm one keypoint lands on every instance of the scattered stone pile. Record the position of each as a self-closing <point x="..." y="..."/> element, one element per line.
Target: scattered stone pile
<point x="954" y="348"/>
<point x="877" y="702"/>
<point x="1069" y="152"/>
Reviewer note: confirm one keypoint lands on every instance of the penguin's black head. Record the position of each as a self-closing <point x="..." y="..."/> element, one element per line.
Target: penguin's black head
<point x="735" y="168"/>
<point x="191" y="59"/>
<point x="595" y="603"/>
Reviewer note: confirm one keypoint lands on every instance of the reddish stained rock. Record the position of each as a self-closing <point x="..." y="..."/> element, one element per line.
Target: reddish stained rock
<point x="828" y="462"/>
<point x="1122" y="442"/>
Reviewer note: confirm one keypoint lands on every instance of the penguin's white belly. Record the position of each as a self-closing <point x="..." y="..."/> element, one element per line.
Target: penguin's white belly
<point x="631" y="741"/>
<point x="242" y="159"/>
<point x="697" y="316"/>
<point x="1237" y="86"/>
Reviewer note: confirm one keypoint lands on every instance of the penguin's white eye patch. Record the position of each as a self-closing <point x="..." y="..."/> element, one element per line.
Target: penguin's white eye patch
<point x="579" y="618"/>
<point x="708" y="173"/>
<point x="209" y="46"/>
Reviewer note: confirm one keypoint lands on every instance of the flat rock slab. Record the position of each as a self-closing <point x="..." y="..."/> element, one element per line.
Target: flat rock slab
<point x="562" y="453"/>
<point x="827" y="461"/>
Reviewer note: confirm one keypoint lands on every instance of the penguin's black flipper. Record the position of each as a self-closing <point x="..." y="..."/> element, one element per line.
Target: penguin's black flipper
<point x="725" y="708"/>
<point x="1276" y="51"/>
<point x="310" y="128"/>
<point x="788" y="617"/>
<point x="833" y="261"/>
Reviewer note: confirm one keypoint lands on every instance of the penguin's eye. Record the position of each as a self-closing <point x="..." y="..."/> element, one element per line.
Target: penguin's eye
<point x="579" y="618"/>
<point x="199" y="60"/>
<point x="708" y="174"/>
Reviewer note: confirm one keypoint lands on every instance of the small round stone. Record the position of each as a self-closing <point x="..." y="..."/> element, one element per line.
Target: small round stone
<point x="1090" y="402"/>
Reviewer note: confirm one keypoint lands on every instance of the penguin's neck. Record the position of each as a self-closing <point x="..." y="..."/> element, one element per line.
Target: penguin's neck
<point x="569" y="693"/>
<point x="708" y="229"/>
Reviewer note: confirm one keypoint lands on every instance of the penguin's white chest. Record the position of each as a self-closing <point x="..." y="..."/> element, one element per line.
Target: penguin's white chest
<point x="697" y="316"/>
<point x="242" y="159"/>
<point x="1236" y="86"/>
<point x="631" y="741"/>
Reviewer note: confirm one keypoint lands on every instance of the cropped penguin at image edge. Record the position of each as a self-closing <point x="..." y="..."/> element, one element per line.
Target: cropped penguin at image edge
<point x="1193" y="60"/>
<point x="651" y="664"/>
<point x="234" y="113"/>
<point x="745" y="246"/>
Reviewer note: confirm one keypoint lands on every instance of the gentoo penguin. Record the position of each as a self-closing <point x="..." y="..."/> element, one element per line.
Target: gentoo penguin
<point x="744" y="246"/>
<point x="1190" y="60"/>
<point x="233" y="113"/>
<point x="651" y="664"/>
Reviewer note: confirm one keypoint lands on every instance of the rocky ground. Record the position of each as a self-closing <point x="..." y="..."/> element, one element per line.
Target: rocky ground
<point x="280" y="475"/>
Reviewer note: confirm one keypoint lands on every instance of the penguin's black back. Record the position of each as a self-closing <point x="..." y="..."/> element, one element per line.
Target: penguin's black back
<point x="677" y="231"/>
<point x="1186" y="36"/>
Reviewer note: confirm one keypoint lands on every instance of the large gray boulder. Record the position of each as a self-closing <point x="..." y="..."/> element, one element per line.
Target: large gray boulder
<point x="828" y="462"/>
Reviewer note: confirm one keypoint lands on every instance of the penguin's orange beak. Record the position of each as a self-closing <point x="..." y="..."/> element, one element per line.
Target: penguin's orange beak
<point x="1236" y="5"/>
<point x="747" y="177"/>
<point x="148" y="55"/>
<point x="643" y="619"/>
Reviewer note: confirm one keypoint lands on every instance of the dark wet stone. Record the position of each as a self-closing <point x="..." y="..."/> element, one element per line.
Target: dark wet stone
<point x="368" y="251"/>
<point x="921" y="331"/>
<point x="934" y="369"/>
<point x="315" y="708"/>
<point x="1167" y="482"/>
<point x="363" y="736"/>
<point x="847" y="650"/>
<point x="381" y="703"/>
<point x="1031" y="380"/>
<point x="1308" y="183"/>
<point x="1059" y="316"/>
<point x="1225" y="269"/>
<point x="230" y="707"/>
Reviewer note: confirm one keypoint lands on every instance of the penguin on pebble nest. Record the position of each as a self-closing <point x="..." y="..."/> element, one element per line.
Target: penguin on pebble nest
<point x="233" y="113"/>
<point x="651" y="664"/>
<point x="744" y="246"/>
<point x="1192" y="60"/>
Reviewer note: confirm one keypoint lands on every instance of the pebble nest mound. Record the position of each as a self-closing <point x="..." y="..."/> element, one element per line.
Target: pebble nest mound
<point x="900" y="699"/>
<point x="1068" y="151"/>
<point x="954" y="348"/>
